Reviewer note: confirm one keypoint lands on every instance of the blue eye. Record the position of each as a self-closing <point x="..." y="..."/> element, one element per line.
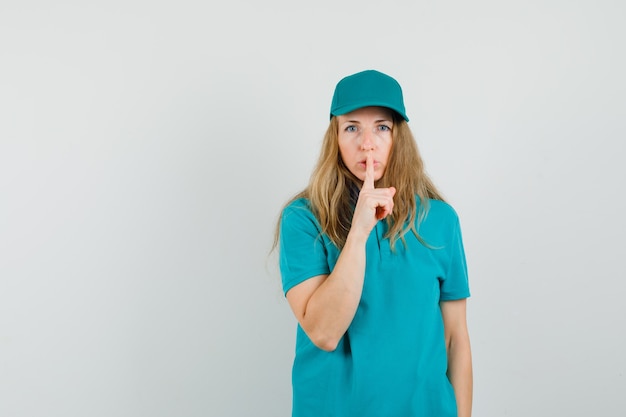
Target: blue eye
<point x="351" y="128"/>
<point x="384" y="128"/>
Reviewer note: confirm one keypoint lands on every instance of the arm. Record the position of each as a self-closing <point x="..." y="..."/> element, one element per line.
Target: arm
<point x="459" y="353"/>
<point x="325" y="305"/>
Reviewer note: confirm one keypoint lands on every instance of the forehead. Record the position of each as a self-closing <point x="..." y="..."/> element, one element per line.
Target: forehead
<point x="377" y="113"/>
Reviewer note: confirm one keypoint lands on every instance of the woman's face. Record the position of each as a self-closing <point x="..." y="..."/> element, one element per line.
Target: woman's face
<point x="362" y="131"/>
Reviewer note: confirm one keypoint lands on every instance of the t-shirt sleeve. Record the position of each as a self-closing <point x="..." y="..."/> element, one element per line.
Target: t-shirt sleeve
<point x="302" y="252"/>
<point x="455" y="283"/>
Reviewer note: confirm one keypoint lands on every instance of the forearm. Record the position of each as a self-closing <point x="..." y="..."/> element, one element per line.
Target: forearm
<point x="460" y="374"/>
<point x="332" y="306"/>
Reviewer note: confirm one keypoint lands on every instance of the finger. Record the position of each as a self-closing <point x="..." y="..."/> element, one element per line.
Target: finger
<point x="381" y="213"/>
<point x="385" y="209"/>
<point x="368" y="181"/>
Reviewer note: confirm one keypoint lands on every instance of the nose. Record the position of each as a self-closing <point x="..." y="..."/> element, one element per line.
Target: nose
<point x="367" y="142"/>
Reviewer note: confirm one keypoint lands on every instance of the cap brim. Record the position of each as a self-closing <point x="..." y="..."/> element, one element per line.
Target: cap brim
<point x="352" y="107"/>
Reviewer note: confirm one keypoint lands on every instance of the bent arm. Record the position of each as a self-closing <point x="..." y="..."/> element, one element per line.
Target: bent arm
<point x="325" y="305"/>
<point x="459" y="354"/>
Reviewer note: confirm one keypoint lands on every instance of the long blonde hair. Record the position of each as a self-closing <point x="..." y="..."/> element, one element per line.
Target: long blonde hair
<point x="333" y="190"/>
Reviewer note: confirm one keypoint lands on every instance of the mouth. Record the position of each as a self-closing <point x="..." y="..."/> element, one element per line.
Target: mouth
<point x="363" y="163"/>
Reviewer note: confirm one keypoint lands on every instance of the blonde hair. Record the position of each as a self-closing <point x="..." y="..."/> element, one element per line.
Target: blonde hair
<point x="333" y="190"/>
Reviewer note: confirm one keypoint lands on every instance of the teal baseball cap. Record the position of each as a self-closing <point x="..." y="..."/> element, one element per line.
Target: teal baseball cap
<point x="367" y="88"/>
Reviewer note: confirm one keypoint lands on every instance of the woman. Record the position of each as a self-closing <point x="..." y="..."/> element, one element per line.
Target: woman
<point x="373" y="267"/>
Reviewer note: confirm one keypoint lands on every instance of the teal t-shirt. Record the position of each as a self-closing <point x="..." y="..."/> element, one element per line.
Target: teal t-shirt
<point x="392" y="360"/>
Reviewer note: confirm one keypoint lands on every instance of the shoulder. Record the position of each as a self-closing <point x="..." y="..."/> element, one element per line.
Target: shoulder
<point x="299" y="212"/>
<point x="440" y="221"/>
<point x="441" y="211"/>
<point x="299" y="206"/>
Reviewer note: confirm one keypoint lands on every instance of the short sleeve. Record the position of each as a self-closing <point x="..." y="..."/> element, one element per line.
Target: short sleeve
<point x="455" y="283"/>
<point x="302" y="252"/>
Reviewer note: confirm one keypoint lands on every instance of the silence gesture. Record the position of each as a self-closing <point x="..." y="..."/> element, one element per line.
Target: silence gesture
<point x="374" y="203"/>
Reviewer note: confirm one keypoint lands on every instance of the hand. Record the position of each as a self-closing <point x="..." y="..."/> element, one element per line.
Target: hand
<point x="374" y="204"/>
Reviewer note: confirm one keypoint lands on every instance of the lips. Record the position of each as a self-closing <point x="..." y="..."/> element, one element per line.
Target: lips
<point x="364" y="163"/>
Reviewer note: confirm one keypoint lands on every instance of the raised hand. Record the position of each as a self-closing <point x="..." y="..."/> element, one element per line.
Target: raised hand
<point x="374" y="204"/>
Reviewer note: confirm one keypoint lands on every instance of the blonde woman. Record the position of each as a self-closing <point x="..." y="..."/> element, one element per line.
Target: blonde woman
<point x="373" y="267"/>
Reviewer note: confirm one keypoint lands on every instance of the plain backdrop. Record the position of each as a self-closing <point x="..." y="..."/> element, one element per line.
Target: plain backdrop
<point x="146" y="149"/>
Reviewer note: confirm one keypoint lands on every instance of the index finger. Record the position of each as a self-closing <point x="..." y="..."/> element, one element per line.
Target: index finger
<point x="368" y="181"/>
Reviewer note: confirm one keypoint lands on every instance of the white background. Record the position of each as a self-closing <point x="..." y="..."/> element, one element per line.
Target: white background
<point x="146" y="149"/>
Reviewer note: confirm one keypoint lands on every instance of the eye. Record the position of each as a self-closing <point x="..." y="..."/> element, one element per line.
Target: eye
<point x="384" y="128"/>
<point x="351" y="128"/>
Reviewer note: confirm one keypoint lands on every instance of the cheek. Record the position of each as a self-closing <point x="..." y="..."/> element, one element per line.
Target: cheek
<point x="388" y="150"/>
<point x="387" y="156"/>
<point x="344" y="152"/>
